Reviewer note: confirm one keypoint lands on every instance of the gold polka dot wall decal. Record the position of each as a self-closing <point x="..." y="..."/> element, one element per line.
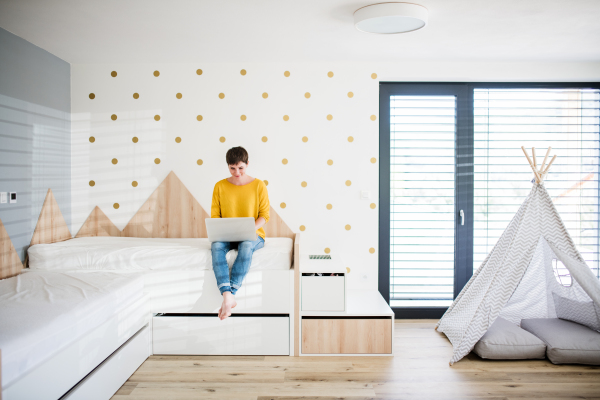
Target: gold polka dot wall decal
<point x="282" y="205"/>
<point x="264" y="139"/>
<point x="373" y="117"/>
<point x="243" y="117"/>
<point x="179" y="95"/>
<point x="372" y="250"/>
<point x="347" y="270"/>
<point x="286" y="118"/>
<point x="303" y="184"/>
<point x="92" y="96"/>
<point x="330" y="74"/>
<point x="115" y="161"/>
<point x="136" y="96"/>
<point x="134" y="183"/>
<point x="348" y="182"/>
<point x="284" y="161"/>
<point x="373" y="205"/>
<point x="329" y="162"/>
<point x="302" y="228"/>
<point x="350" y="139"/>
<point x="305" y="139"/>
<point x="134" y="139"/>
<point x="113" y="74"/>
<point x="177" y="139"/>
<point x="157" y="117"/>
<point x="373" y="160"/>
<point x="286" y="74"/>
<point x="348" y="227"/>
<point x="265" y="95"/>
<point x="113" y="117"/>
<point x="221" y="95"/>
<point x="373" y="75"/>
<point x="329" y="206"/>
<point x="329" y="117"/>
<point x="222" y="139"/>
<point x="92" y="139"/>
<point x="92" y="183"/>
<point x="199" y="162"/>
<point x="307" y="95"/>
<point x="266" y="182"/>
<point x="243" y="72"/>
<point x="157" y="161"/>
<point x="350" y="94"/>
<point x="156" y="73"/>
<point x="199" y="72"/>
<point x="199" y="118"/>
<point x="116" y="206"/>
<point x="327" y="250"/>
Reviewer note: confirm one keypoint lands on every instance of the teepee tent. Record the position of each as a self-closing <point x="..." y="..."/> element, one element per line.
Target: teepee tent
<point x="516" y="281"/>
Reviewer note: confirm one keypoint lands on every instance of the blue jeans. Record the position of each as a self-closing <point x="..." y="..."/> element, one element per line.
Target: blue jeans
<point x="240" y="266"/>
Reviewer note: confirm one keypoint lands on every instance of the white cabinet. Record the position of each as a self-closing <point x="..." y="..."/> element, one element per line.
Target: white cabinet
<point x="208" y="335"/>
<point x="323" y="293"/>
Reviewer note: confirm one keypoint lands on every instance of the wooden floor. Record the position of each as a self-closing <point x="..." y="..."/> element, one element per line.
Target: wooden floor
<point x="419" y="370"/>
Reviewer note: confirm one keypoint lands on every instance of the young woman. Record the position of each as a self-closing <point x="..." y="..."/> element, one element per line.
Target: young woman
<point x="237" y="196"/>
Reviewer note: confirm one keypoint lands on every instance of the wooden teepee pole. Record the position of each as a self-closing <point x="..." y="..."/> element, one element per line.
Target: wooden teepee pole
<point x="541" y="173"/>
<point x="538" y="179"/>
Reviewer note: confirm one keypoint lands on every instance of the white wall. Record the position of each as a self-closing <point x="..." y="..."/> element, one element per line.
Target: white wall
<point x="307" y="161"/>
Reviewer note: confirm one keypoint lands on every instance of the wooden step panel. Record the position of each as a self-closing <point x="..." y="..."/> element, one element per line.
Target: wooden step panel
<point x="346" y="336"/>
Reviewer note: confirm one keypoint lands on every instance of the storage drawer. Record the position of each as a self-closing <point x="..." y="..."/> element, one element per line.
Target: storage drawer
<point x="323" y="293"/>
<point x="346" y="335"/>
<point x="208" y="335"/>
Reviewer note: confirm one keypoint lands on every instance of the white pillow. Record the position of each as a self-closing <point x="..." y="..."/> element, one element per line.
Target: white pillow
<point x="583" y="312"/>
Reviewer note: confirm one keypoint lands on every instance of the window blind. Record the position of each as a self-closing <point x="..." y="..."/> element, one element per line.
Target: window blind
<point x="422" y="168"/>
<point x="567" y="120"/>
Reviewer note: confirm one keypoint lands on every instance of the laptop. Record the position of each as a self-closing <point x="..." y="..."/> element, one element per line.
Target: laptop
<point x="230" y="229"/>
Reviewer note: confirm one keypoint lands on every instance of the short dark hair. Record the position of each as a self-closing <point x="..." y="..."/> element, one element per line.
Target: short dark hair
<point x="235" y="155"/>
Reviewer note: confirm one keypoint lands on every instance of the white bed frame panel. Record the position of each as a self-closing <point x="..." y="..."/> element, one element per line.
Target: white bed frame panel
<point x="61" y="372"/>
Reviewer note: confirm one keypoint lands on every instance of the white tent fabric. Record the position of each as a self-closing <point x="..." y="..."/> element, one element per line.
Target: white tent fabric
<point x="516" y="280"/>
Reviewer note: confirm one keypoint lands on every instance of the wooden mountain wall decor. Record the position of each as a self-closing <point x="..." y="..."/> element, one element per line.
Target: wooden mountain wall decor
<point x="170" y="212"/>
<point x="98" y="224"/>
<point x="10" y="263"/>
<point x="276" y="227"/>
<point x="51" y="226"/>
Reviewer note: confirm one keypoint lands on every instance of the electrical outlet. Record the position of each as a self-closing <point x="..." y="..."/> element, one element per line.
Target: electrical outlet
<point x="3" y="197"/>
<point x="13" y="197"/>
<point x="365" y="194"/>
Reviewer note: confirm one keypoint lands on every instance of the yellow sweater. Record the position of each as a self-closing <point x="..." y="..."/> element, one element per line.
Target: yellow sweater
<point x="233" y="201"/>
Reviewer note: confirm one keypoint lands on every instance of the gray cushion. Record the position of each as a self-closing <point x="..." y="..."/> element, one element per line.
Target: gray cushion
<point x="582" y="312"/>
<point x="568" y="342"/>
<point x="506" y="341"/>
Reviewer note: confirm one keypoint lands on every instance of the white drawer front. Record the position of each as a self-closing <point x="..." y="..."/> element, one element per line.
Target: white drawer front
<point x="323" y="293"/>
<point x="207" y="335"/>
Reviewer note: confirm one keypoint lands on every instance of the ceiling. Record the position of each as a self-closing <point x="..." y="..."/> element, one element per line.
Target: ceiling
<point x="144" y="31"/>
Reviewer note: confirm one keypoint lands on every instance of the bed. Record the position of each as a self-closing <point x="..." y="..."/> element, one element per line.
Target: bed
<point x="60" y="328"/>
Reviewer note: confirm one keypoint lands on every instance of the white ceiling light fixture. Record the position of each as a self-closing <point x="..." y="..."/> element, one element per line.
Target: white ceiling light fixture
<point x="390" y="18"/>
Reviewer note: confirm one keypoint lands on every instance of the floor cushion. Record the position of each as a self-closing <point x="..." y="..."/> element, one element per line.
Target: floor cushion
<point x="583" y="312"/>
<point x="506" y="341"/>
<point x="567" y="342"/>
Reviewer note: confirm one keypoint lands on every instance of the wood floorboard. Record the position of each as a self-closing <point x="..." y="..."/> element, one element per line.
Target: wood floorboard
<point x="418" y="370"/>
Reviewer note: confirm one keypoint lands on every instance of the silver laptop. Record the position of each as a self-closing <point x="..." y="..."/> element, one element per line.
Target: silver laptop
<point x="230" y="229"/>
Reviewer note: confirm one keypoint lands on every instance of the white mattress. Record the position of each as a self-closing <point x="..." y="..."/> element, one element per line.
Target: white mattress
<point x="123" y="253"/>
<point x="42" y="312"/>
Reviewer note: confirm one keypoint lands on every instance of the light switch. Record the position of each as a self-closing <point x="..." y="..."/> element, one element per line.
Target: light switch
<point x="3" y="197"/>
<point x="365" y="194"/>
<point x="13" y="197"/>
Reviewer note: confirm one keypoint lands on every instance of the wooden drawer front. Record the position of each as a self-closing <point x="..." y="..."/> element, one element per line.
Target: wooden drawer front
<point x="346" y="336"/>
<point x="323" y="293"/>
<point x="207" y="335"/>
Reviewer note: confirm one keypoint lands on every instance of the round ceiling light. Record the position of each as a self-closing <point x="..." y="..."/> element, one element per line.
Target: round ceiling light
<point x="389" y="18"/>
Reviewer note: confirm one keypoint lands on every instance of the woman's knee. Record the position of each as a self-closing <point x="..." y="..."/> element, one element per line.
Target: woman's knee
<point x="218" y="246"/>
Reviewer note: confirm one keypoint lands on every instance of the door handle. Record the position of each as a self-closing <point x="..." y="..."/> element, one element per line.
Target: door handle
<point x="462" y="217"/>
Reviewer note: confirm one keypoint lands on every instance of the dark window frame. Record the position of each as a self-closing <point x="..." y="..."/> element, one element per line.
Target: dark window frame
<point x="464" y="174"/>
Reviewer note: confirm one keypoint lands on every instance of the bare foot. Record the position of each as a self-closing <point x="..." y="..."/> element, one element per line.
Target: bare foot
<point x="229" y="303"/>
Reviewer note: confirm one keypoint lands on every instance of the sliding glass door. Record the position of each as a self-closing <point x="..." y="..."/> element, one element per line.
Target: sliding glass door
<point x="452" y="176"/>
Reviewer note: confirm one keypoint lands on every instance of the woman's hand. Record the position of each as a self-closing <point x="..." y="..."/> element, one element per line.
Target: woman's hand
<point x="259" y="223"/>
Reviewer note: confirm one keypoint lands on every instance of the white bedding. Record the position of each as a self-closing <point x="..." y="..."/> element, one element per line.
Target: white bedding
<point x="42" y="312"/>
<point x="124" y="253"/>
